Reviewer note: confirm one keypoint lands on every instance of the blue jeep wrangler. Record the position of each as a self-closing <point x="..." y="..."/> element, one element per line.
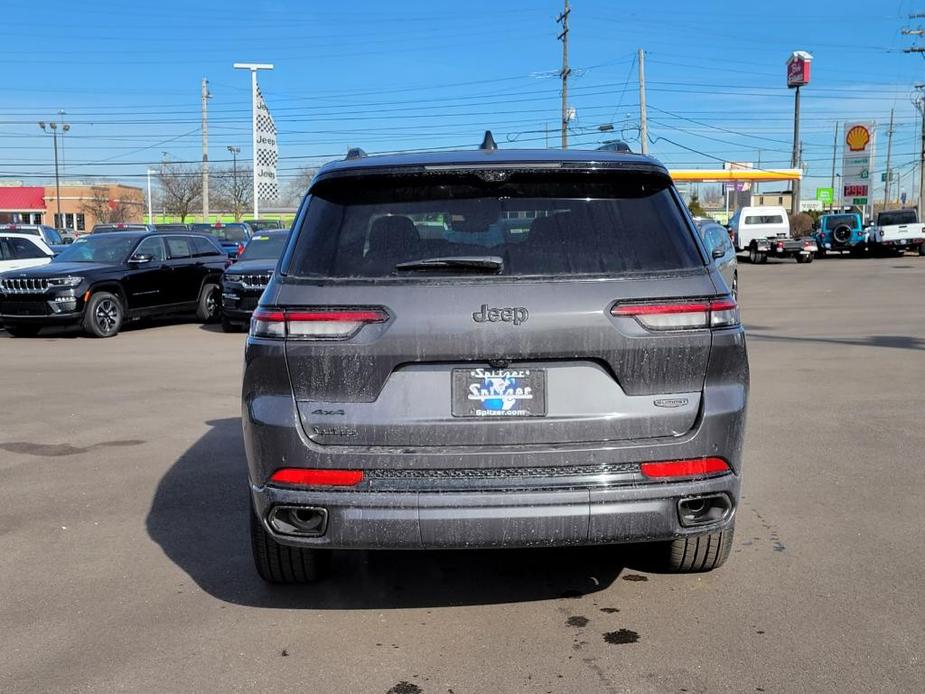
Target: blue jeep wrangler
<point x="840" y="232"/>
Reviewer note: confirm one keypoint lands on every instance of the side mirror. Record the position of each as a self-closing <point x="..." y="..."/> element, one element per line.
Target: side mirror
<point x="140" y="259"/>
<point x="718" y="252"/>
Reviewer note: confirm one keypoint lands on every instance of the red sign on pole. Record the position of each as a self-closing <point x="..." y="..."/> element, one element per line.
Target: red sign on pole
<point x="798" y="69"/>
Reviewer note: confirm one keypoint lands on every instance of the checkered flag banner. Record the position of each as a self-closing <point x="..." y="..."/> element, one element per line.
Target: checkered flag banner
<point x="267" y="154"/>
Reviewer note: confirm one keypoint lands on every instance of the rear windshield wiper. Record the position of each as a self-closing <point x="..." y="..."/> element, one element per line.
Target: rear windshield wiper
<point x="471" y="263"/>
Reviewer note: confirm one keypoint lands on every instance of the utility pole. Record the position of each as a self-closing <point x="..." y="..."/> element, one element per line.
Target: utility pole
<point x="59" y="220"/>
<point x="834" y="150"/>
<point x="253" y="67"/>
<point x="205" y="149"/>
<point x="643" y="127"/>
<point x="889" y="172"/>
<point x="921" y="107"/>
<point x="563" y="37"/>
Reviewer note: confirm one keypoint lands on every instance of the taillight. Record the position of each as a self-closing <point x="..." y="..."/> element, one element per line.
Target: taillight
<point x="314" y="324"/>
<point x="689" y="315"/>
<point x="685" y="469"/>
<point x="298" y="477"/>
<point x="240" y="248"/>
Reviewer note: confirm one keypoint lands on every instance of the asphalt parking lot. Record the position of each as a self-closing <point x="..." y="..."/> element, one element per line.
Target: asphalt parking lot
<point x="125" y="562"/>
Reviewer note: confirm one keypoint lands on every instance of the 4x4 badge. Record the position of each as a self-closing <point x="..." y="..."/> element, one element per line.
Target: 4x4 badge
<point x="670" y="402"/>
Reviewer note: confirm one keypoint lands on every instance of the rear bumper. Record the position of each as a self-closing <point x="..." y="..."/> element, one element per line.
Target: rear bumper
<point x="457" y="520"/>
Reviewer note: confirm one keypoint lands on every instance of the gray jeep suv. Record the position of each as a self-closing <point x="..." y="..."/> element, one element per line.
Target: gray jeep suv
<point x="493" y="349"/>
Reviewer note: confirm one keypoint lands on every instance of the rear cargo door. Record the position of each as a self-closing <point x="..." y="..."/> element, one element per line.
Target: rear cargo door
<point x="491" y="308"/>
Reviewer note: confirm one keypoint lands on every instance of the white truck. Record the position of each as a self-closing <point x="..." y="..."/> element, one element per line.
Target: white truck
<point x="897" y="231"/>
<point x="765" y="231"/>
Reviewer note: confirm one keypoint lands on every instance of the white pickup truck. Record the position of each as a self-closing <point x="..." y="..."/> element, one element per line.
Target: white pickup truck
<point x="898" y="231"/>
<point x="764" y="232"/>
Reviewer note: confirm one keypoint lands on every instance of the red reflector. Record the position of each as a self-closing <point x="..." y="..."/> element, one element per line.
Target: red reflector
<point x="317" y="478"/>
<point x="337" y="316"/>
<point x="685" y="468"/>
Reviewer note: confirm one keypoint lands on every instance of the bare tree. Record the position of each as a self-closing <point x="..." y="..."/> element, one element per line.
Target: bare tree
<point x="181" y="188"/>
<point x="108" y="210"/>
<point x="233" y="191"/>
<point x="294" y="191"/>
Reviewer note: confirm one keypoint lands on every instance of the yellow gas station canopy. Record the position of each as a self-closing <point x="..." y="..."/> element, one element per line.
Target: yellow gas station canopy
<point x="721" y="175"/>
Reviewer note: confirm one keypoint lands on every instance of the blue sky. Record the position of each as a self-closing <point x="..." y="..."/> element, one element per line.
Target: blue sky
<point x="408" y="75"/>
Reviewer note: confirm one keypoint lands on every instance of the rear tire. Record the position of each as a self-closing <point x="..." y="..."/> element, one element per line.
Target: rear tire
<point x="23" y="330"/>
<point x="209" y="309"/>
<point x="753" y="255"/>
<point x="276" y="563"/>
<point x="699" y="553"/>
<point x="103" y="315"/>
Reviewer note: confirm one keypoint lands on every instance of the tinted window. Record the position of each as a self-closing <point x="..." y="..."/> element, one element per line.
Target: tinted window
<point x="886" y="219"/>
<point x="153" y="247"/>
<point x="203" y="247"/>
<point x="23" y="248"/>
<point x="178" y="247"/>
<point x="764" y="219"/>
<point x="264" y="247"/>
<point x="230" y="232"/>
<point x="537" y="224"/>
<point x="105" y="248"/>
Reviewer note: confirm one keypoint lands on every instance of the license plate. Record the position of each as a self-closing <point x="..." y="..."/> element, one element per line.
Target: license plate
<point x="509" y="392"/>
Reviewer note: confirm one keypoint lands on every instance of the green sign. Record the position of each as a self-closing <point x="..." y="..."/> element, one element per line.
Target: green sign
<point x="858" y="201"/>
<point x="825" y="195"/>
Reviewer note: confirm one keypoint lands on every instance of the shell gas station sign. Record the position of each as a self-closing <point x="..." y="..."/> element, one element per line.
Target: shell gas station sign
<point x="856" y="162"/>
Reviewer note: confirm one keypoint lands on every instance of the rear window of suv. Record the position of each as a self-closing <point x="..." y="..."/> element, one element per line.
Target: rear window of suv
<point x="537" y="224"/>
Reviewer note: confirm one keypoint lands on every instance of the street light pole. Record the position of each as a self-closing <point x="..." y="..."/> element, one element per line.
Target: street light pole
<point x="253" y="67"/>
<point x="150" y="203"/>
<point x="235" y="151"/>
<point x="59" y="220"/>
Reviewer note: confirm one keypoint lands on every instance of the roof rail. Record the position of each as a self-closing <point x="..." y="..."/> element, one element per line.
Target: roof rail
<point x="488" y="142"/>
<point x="355" y="153"/>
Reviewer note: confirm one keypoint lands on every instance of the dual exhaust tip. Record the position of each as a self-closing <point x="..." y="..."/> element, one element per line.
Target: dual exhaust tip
<point x="302" y="521"/>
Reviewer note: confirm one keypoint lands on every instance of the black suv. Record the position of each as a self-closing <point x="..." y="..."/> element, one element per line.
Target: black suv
<point x="244" y="282"/>
<point x="493" y="349"/>
<point x="102" y="280"/>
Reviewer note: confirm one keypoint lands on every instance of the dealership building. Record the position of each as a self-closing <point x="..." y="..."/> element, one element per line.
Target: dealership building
<point x="81" y="204"/>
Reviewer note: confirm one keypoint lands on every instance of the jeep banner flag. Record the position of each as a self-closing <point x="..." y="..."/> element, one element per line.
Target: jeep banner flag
<point x="857" y="158"/>
<point x="266" y="154"/>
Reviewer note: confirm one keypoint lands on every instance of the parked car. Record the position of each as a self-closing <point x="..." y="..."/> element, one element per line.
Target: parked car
<point x="765" y="231"/>
<point x="244" y="282"/>
<point x="19" y="251"/>
<point x="49" y="235"/>
<point x="719" y="245"/>
<point x="105" y="280"/>
<point x="172" y="227"/>
<point x="263" y="224"/>
<point x="840" y="232"/>
<point x="584" y="382"/>
<point x="232" y="237"/>
<point x="108" y="228"/>
<point x="898" y="231"/>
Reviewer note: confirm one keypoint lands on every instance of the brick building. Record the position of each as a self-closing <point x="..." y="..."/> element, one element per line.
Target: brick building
<point x="82" y="205"/>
